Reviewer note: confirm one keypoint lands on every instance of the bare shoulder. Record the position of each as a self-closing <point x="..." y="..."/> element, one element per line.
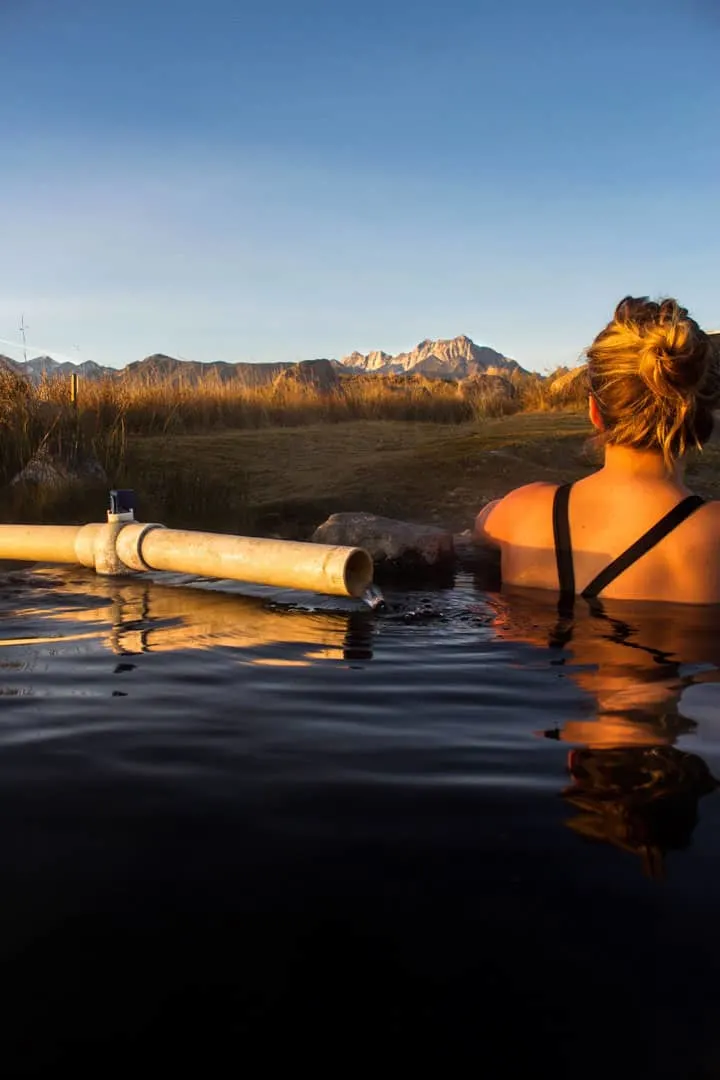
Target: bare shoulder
<point x="698" y="541"/>
<point x="696" y="554"/>
<point x="707" y="518"/>
<point x="498" y="521"/>
<point x="538" y="489"/>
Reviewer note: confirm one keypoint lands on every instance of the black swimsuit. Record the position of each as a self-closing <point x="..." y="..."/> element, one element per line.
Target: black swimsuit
<point x="563" y="547"/>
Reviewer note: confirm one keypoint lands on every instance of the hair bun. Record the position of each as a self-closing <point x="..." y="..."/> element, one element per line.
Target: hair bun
<point x="655" y="377"/>
<point x="673" y="352"/>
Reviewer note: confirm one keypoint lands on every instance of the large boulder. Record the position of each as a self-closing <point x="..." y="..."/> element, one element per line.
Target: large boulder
<point x="393" y="545"/>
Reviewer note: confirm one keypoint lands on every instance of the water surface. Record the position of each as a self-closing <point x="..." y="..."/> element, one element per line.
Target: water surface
<point x="271" y="824"/>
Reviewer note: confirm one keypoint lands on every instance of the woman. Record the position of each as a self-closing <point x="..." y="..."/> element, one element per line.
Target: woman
<point x="632" y="530"/>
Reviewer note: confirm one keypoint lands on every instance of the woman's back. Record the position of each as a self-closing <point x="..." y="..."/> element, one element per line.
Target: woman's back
<point x="608" y="513"/>
<point x="653" y="381"/>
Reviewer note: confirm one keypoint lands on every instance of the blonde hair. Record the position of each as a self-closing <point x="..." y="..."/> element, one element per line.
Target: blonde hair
<point x="655" y="377"/>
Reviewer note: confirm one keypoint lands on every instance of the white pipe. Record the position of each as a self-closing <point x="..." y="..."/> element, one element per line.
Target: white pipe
<point x="341" y="571"/>
<point x="122" y="545"/>
<point x="49" y="543"/>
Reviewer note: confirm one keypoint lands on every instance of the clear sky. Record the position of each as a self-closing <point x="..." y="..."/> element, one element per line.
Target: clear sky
<point x="286" y="179"/>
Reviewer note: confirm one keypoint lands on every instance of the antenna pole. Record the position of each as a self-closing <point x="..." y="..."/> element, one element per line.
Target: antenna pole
<point x="23" y="327"/>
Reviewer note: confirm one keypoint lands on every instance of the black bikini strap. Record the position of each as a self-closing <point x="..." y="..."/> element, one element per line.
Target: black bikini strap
<point x="563" y="547"/>
<point x="647" y="541"/>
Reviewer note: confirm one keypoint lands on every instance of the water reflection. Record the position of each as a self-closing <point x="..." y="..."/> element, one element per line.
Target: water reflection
<point x="643" y="800"/>
<point x="140" y="615"/>
<point x="630" y="785"/>
<point x="454" y="685"/>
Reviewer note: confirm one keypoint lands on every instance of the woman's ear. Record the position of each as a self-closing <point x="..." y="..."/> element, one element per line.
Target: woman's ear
<point x="595" y="418"/>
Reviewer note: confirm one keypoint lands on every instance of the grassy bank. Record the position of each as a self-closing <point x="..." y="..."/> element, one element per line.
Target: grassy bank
<point x="283" y="480"/>
<point x="227" y="455"/>
<point x="286" y="481"/>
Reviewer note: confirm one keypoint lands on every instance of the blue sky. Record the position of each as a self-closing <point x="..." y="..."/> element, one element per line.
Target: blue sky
<point x="235" y="180"/>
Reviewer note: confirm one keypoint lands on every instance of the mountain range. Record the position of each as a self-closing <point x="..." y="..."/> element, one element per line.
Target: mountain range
<point x="454" y="358"/>
<point x="44" y="365"/>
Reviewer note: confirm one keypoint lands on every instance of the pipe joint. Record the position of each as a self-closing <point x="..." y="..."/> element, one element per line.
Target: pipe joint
<point x="114" y="547"/>
<point x="128" y="545"/>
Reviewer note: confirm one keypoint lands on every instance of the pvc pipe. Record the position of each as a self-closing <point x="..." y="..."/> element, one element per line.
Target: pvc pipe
<point x="122" y="545"/>
<point x="341" y="571"/>
<point x="48" y="543"/>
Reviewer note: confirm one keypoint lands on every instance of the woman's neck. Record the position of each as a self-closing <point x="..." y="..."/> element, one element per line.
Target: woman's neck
<point x="642" y="464"/>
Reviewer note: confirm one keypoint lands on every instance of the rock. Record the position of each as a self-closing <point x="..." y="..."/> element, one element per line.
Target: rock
<point x="47" y="470"/>
<point x="392" y="544"/>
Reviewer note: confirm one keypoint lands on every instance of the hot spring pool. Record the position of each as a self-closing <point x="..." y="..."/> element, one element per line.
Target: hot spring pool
<point x="244" y="830"/>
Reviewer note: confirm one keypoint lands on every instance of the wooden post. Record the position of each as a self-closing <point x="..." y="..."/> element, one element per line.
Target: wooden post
<point x="75" y="413"/>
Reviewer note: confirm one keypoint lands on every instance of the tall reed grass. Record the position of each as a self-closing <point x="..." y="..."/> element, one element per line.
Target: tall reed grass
<point x="110" y="410"/>
<point x="109" y="414"/>
<point x="42" y="417"/>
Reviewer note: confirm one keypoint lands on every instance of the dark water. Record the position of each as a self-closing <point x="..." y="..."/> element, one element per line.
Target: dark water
<point x="238" y="832"/>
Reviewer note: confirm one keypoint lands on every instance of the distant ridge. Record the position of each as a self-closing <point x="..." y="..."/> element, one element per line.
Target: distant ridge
<point x="447" y="358"/>
<point x="156" y="367"/>
<point x="168" y="368"/>
<point x="44" y="365"/>
<point x="452" y="358"/>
